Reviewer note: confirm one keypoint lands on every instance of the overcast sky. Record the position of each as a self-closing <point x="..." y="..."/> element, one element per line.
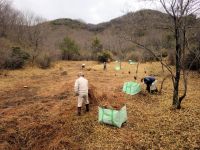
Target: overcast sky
<point x="90" y="11"/>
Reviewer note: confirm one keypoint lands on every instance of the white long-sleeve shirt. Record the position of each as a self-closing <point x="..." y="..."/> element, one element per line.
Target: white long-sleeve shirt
<point x="81" y="86"/>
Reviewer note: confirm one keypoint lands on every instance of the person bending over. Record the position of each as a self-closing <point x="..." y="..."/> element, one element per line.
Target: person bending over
<point x="150" y="84"/>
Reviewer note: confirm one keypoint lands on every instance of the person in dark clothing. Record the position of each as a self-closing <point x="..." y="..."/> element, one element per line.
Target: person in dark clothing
<point x="150" y="82"/>
<point x="104" y="66"/>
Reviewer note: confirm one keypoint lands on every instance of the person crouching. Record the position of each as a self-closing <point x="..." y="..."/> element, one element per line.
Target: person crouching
<point x="150" y="83"/>
<point x="81" y="90"/>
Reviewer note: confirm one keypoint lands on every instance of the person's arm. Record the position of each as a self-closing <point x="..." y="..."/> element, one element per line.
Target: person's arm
<point x="146" y="80"/>
<point x="87" y="86"/>
<point x="76" y="87"/>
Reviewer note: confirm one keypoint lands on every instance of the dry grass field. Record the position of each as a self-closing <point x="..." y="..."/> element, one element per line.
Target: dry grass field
<point x="43" y="114"/>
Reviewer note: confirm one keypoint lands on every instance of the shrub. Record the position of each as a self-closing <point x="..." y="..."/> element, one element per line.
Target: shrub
<point x="5" y="54"/>
<point x="44" y="61"/>
<point x="164" y="54"/>
<point x="16" y="58"/>
<point x="97" y="48"/>
<point x="104" y="56"/>
<point x="135" y="56"/>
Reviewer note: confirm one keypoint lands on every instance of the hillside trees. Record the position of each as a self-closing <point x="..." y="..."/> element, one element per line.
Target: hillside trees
<point x="69" y="49"/>
<point x="11" y="57"/>
<point x="179" y="24"/>
<point x="104" y="56"/>
<point x="31" y="34"/>
<point x="22" y="30"/>
<point x="11" y="21"/>
<point x="34" y="35"/>
<point x="4" y="51"/>
<point x="7" y="16"/>
<point x="99" y="52"/>
<point x="194" y="51"/>
<point x="96" y="47"/>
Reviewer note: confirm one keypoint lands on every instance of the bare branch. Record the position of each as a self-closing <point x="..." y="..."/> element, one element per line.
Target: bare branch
<point x="142" y="46"/>
<point x="185" y="87"/>
<point x="164" y="79"/>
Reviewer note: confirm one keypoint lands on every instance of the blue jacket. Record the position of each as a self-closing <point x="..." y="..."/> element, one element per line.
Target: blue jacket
<point x="149" y="80"/>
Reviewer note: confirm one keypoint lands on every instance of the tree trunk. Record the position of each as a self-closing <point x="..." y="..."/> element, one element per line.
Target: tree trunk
<point x="176" y="104"/>
<point x="162" y="64"/>
<point x="137" y="70"/>
<point x="176" y="93"/>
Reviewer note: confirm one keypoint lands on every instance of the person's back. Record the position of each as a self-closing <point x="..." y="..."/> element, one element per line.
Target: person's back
<point x="149" y="80"/>
<point x="81" y="85"/>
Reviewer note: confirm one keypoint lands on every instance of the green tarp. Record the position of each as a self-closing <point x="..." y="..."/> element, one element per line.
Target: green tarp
<point x="131" y="88"/>
<point x="132" y="62"/>
<point x="117" y="68"/>
<point x="113" y="117"/>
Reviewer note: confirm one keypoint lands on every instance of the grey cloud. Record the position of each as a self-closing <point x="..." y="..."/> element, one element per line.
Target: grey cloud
<point x="91" y="11"/>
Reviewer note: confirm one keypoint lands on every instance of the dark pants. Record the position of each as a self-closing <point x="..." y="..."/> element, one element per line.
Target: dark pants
<point x="148" y="87"/>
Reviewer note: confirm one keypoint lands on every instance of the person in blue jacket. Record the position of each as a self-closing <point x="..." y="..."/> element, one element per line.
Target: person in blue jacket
<point x="149" y="80"/>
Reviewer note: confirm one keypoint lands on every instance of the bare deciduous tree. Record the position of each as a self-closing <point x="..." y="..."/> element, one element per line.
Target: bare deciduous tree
<point x="8" y="19"/>
<point x="34" y="35"/>
<point x="24" y="29"/>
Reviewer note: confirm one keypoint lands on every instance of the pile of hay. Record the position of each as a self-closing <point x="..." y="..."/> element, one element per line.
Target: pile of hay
<point x="106" y="100"/>
<point x="93" y="95"/>
<point x="112" y="101"/>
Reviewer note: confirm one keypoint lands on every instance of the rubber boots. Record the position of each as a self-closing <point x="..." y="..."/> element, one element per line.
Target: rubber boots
<point x="79" y="111"/>
<point x="87" y="108"/>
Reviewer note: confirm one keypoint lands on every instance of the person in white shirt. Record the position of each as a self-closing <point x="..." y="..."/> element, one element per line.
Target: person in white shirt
<point x="81" y="90"/>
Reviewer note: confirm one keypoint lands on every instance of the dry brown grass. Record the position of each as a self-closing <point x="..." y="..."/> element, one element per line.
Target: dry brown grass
<point x="43" y="115"/>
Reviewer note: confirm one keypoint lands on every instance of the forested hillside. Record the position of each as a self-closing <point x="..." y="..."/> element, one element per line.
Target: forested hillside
<point x="43" y="41"/>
